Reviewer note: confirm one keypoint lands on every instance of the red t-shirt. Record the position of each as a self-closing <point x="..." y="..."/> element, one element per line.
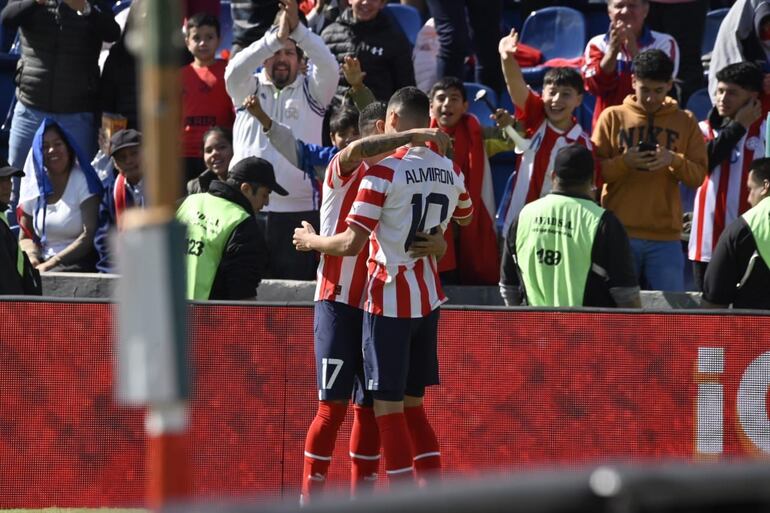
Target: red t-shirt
<point x="205" y="103"/>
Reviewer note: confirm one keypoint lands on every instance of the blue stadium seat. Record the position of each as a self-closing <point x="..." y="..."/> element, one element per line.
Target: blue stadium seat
<point x="480" y="109"/>
<point x="555" y="31"/>
<point x="120" y="5"/>
<point x="408" y="18"/>
<point x="225" y="27"/>
<point x="713" y="21"/>
<point x="585" y="113"/>
<point x="699" y="103"/>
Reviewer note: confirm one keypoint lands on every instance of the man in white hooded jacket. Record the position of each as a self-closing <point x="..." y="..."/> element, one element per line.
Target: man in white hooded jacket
<point x="296" y="99"/>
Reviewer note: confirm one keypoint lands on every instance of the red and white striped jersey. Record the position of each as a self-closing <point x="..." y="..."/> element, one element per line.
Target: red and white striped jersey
<point x="414" y="190"/>
<point x="723" y="196"/>
<point x="340" y="279"/>
<point x="532" y="180"/>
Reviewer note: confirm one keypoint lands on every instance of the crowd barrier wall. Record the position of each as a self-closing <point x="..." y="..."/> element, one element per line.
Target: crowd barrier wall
<point x="520" y="389"/>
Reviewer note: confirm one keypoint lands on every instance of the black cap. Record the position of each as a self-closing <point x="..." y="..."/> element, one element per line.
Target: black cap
<point x="124" y="139"/>
<point x="574" y="163"/>
<point x="8" y="170"/>
<point x="256" y="170"/>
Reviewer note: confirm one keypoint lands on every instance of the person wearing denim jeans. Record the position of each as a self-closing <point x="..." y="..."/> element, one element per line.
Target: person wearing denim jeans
<point x="58" y="72"/>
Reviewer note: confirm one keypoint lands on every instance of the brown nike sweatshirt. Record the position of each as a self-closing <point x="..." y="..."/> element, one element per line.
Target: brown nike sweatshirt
<point x="647" y="202"/>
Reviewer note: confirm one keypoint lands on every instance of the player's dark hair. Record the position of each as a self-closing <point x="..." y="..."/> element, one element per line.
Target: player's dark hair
<point x="411" y="104"/>
<point x="370" y="114"/>
<point x="221" y="131"/>
<point x="564" y="77"/>
<point x="202" y="19"/>
<point x="446" y="84"/>
<point x="743" y="74"/>
<point x="343" y="120"/>
<point x="761" y="168"/>
<point x="654" y="65"/>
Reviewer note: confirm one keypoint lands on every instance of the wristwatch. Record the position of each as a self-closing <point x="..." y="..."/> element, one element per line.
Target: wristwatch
<point x="86" y="10"/>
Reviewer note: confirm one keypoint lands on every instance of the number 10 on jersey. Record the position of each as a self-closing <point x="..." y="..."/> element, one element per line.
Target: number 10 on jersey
<point x="420" y="207"/>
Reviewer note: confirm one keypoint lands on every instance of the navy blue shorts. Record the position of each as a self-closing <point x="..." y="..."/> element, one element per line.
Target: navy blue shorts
<point x="338" y="357"/>
<point x="400" y="355"/>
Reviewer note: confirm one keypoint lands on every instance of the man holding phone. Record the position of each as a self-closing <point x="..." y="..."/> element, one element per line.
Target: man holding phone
<point x="735" y="135"/>
<point x="646" y="147"/>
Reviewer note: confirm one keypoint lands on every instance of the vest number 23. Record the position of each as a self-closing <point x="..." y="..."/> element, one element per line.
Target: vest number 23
<point x="194" y="247"/>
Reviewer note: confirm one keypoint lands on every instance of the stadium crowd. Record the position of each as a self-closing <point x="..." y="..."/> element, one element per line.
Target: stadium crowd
<point x="291" y="91"/>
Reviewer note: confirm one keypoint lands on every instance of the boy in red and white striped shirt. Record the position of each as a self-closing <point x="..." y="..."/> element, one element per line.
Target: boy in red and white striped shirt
<point x="414" y="190"/>
<point x="735" y="136"/>
<point x="550" y="124"/>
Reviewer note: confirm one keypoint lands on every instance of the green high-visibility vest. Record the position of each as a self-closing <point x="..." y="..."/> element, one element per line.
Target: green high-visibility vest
<point x="758" y="219"/>
<point x="19" y="254"/>
<point x="554" y="240"/>
<point x="210" y="221"/>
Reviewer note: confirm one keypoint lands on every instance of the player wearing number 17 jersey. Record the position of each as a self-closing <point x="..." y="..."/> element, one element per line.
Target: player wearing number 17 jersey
<point x="414" y="190"/>
<point x="338" y="315"/>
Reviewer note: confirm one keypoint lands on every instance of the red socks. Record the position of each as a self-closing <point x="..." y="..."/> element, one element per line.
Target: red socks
<point x="427" y="458"/>
<point x="319" y="446"/>
<point x="396" y="446"/>
<point x="364" y="451"/>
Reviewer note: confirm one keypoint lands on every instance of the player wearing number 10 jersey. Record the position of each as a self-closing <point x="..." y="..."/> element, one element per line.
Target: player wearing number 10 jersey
<point x="338" y="314"/>
<point x="413" y="191"/>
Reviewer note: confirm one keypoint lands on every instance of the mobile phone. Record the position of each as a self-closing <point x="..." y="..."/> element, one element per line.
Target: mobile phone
<point x="645" y="146"/>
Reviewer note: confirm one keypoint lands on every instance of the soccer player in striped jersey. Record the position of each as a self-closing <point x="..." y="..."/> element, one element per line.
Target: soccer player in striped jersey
<point x="411" y="191"/>
<point x="550" y="124"/>
<point x="735" y="136"/>
<point x="338" y="314"/>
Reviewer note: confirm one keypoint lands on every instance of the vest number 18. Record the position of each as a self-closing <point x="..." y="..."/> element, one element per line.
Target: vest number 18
<point x="548" y="256"/>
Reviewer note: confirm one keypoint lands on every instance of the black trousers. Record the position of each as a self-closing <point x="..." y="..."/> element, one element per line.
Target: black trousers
<point x="686" y="23"/>
<point x="286" y="263"/>
<point x="455" y="38"/>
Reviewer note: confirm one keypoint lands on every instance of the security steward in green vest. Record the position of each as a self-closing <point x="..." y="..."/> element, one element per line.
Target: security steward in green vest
<point x="226" y="253"/>
<point x="739" y="271"/>
<point x="564" y="249"/>
<point x="17" y="276"/>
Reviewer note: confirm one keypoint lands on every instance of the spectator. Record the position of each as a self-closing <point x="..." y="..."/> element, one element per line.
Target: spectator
<point x="123" y="189"/>
<point x="609" y="57"/>
<point x="324" y="13"/>
<point x="226" y="253"/>
<point x="217" y="154"/>
<point x="735" y="132"/>
<point x="564" y="249"/>
<point x="739" y="273"/>
<point x="645" y="147"/>
<point x="298" y="100"/>
<point x="744" y="35"/>
<point x="311" y="158"/>
<point x="58" y="74"/>
<point x="251" y="20"/>
<point x="370" y="35"/>
<point x="17" y="276"/>
<point x="685" y="21"/>
<point x="59" y="201"/>
<point x="549" y="122"/>
<point x="119" y="88"/>
<point x="471" y="262"/>
<point x="193" y="7"/>
<point x="205" y="102"/>
<point x="454" y="39"/>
